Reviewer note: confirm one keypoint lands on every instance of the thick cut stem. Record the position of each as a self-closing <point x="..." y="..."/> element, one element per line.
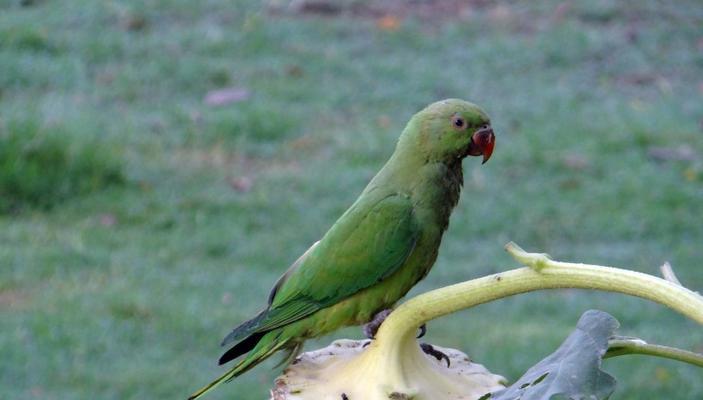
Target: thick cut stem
<point x="543" y="273"/>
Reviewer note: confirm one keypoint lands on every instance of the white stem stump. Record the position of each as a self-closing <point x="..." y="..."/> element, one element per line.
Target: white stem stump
<point x="346" y="370"/>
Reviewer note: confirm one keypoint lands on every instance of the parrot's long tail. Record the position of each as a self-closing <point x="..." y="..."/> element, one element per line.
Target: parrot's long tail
<point x="264" y="345"/>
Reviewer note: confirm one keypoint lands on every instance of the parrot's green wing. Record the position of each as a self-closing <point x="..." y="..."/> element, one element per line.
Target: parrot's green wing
<point x="365" y="246"/>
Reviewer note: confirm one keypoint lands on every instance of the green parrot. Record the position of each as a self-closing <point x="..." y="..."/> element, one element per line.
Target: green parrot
<point x="378" y="249"/>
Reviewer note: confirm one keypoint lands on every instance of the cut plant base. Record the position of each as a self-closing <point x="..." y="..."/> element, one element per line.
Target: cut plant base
<point x="345" y="369"/>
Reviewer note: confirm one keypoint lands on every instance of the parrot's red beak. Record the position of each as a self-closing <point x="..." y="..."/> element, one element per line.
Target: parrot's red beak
<point x="482" y="143"/>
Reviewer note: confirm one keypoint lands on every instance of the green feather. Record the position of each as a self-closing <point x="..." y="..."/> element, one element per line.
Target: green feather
<point x="268" y="345"/>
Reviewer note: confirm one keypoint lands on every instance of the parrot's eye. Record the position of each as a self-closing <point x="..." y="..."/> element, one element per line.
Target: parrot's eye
<point x="458" y="122"/>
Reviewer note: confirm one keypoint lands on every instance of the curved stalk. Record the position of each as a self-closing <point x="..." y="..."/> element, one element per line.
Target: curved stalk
<point x="399" y="328"/>
<point x="619" y="347"/>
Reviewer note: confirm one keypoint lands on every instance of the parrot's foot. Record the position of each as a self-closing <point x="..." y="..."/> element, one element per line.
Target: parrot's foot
<point x="372" y="326"/>
<point x="428" y="349"/>
<point x="423" y="330"/>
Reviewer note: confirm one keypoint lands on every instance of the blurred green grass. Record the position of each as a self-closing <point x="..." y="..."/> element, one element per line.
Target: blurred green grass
<point x="125" y="291"/>
<point x="42" y="166"/>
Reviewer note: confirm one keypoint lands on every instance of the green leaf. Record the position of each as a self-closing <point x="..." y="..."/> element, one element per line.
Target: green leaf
<point x="573" y="371"/>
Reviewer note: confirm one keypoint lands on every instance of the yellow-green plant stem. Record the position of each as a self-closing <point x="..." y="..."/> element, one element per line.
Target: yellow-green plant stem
<point x="543" y="273"/>
<point x="624" y="347"/>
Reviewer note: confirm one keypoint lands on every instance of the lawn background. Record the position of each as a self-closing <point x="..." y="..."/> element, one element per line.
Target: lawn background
<point x="141" y="223"/>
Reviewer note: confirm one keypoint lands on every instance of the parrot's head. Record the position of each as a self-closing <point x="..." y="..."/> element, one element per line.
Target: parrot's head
<point x="452" y="129"/>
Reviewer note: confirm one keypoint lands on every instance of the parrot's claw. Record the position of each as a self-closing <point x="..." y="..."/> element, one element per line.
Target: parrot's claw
<point x="428" y="349"/>
<point x="372" y="326"/>
<point x="423" y="330"/>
